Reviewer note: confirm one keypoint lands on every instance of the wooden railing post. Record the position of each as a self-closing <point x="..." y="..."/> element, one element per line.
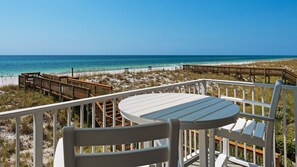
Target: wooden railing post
<point x="19" y="81"/>
<point x="25" y="82"/>
<point x="73" y="92"/>
<point x="265" y="75"/>
<point x="60" y="91"/>
<point x="88" y="92"/>
<point x="34" y="86"/>
<point x="40" y="85"/>
<point x="49" y="87"/>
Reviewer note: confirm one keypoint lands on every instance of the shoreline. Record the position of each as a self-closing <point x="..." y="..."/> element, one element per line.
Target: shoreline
<point x="13" y="80"/>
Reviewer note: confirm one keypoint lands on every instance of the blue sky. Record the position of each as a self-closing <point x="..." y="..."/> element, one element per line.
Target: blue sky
<point x="149" y="27"/>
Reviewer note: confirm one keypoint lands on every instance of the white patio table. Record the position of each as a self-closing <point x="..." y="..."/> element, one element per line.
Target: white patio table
<point x="193" y="111"/>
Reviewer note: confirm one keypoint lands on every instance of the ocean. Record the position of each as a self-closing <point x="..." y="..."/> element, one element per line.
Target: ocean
<point x="14" y="65"/>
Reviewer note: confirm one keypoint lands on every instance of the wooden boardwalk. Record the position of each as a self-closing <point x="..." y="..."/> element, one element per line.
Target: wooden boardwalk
<point x="70" y="88"/>
<point x="286" y="75"/>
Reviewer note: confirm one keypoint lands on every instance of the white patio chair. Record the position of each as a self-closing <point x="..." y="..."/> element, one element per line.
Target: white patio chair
<point x="248" y="130"/>
<point x="120" y="135"/>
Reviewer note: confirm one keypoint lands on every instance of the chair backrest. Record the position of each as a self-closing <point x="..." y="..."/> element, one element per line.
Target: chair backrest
<point x="122" y="135"/>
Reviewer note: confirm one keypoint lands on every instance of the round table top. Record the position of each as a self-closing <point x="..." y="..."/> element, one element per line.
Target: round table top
<point x="193" y="111"/>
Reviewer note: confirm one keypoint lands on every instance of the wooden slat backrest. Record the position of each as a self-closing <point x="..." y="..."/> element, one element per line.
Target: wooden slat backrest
<point x="129" y="159"/>
<point x="110" y="136"/>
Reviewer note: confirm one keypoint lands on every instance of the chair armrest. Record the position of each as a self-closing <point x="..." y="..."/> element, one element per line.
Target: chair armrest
<point x="256" y="117"/>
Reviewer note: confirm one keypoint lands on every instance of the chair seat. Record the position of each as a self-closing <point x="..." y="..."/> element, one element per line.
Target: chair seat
<point x="248" y="131"/>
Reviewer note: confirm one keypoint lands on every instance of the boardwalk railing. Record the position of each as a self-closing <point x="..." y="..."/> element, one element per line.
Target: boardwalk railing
<point x="246" y="94"/>
<point x="252" y="72"/>
<point x="54" y="87"/>
<point x="95" y="88"/>
<point x="67" y="88"/>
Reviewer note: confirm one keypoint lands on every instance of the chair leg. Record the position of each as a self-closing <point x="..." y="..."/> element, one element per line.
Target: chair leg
<point x="268" y="157"/>
<point x="226" y="149"/>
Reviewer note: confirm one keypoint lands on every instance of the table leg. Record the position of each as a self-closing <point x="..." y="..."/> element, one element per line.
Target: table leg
<point x="180" y="149"/>
<point x="211" y="148"/>
<point x="203" y="148"/>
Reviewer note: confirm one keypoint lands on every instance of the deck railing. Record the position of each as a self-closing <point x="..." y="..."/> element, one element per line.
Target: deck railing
<point x="248" y="95"/>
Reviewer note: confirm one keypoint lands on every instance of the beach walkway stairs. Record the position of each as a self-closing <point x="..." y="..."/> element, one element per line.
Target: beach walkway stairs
<point x="70" y="88"/>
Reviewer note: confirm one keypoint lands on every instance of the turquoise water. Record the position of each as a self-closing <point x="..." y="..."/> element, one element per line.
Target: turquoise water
<point x="14" y="65"/>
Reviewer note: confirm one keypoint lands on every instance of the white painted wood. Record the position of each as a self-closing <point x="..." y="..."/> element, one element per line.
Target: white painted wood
<point x="253" y="132"/>
<point x="246" y="101"/>
<point x="185" y="143"/>
<point x="55" y="130"/>
<point x="59" y="155"/>
<point x="69" y="115"/>
<point x="81" y="149"/>
<point x="17" y="141"/>
<point x="114" y="103"/>
<point x="93" y="122"/>
<point x="253" y="116"/>
<point x="211" y="148"/>
<point x="249" y="127"/>
<point x="181" y="110"/>
<point x="295" y="122"/>
<point x="203" y="148"/>
<point x="285" y="127"/>
<point x="180" y="148"/>
<point x="221" y="160"/>
<point x="60" y="106"/>
<point x="228" y="127"/>
<point x="240" y="124"/>
<point x="186" y="109"/>
<point x="38" y="139"/>
<point x="253" y="113"/>
<point x="86" y="137"/>
<point x="189" y="108"/>
<point x="259" y="130"/>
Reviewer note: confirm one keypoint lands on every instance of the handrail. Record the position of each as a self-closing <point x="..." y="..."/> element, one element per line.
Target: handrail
<point x="91" y="83"/>
<point x="238" y="67"/>
<point x="62" y="83"/>
<point x="53" y="76"/>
